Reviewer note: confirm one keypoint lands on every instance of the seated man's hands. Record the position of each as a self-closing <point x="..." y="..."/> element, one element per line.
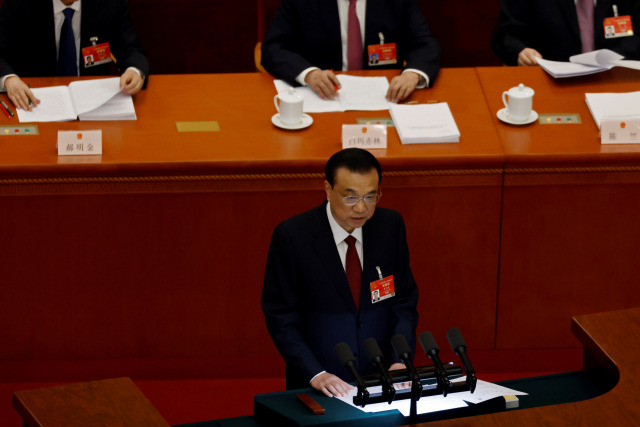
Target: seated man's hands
<point x="527" y="56"/>
<point x="131" y="82"/>
<point x="323" y="83"/>
<point x="402" y="86"/>
<point x="19" y="93"/>
<point x="331" y="385"/>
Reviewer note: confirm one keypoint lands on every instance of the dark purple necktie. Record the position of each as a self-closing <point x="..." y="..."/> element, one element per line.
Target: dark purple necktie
<point x="585" y="20"/>
<point x="354" y="39"/>
<point x="354" y="270"/>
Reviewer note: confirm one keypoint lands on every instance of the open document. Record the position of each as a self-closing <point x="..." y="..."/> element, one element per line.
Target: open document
<point x="587" y="63"/>
<point x="613" y="106"/>
<point x="417" y="124"/>
<point x="99" y="99"/>
<point x="357" y="93"/>
<point x="427" y="404"/>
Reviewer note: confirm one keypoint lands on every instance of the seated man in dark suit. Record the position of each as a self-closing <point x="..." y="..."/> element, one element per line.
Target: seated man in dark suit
<point x="321" y="270"/>
<point x="32" y="43"/>
<point x="309" y="38"/>
<point x="530" y="29"/>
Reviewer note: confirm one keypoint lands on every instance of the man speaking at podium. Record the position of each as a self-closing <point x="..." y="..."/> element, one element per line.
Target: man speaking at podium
<point x="322" y="270"/>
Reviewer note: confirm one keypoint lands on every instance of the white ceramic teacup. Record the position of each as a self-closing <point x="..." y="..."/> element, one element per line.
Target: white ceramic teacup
<point x="520" y="102"/>
<point x="290" y="108"/>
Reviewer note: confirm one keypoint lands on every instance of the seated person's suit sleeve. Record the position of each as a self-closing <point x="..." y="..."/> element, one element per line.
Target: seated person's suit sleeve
<point x="280" y="303"/>
<point x="127" y="47"/>
<point x="281" y="47"/>
<point x="512" y="32"/>
<point x="420" y="49"/>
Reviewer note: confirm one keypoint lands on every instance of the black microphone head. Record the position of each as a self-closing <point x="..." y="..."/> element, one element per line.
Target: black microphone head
<point x="372" y="349"/>
<point x="428" y="343"/>
<point x="344" y="353"/>
<point x="400" y="345"/>
<point x="455" y="339"/>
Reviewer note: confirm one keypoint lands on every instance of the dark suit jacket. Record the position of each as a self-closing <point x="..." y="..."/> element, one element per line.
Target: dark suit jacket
<point x="306" y="33"/>
<point x="27" y="37"/>
<point x="307" y="301"/>
<point x="551" y="27"/>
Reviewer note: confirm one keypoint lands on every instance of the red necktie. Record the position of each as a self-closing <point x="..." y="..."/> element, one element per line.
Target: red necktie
<point x="354" y="270"/>
<point x="585" y="20"/>
<point x="354" y="39"/>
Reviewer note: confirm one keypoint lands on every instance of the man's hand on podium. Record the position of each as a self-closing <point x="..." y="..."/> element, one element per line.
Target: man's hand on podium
<point x="331" y="385"/>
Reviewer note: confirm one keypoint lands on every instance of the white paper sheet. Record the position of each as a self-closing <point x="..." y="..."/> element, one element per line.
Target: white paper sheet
<point x="357" y="93"/>
<point x="55" y="106"/>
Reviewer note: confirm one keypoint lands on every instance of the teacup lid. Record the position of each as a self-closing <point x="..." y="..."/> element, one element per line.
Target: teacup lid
<point x="521" y="91"/>
<point x="290" y="96"/>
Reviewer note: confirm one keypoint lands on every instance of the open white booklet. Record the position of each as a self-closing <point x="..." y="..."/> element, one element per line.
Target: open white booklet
<point x="357" y="93"/>
<point x="587" y="63"/>
<point x="99" y="99"/>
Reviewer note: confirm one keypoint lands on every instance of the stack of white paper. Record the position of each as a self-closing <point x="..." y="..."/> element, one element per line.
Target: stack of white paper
<point x="99" y="99"/>
<point x="613" y="106"/>
<point x="357" y="93"/>
<point x="586" y="63"/>
<point x="424" y="123"/>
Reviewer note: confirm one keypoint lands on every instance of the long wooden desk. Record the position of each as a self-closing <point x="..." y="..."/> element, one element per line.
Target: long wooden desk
<point x="130" y="264"/>
<point x="611" y="340"/>
<point x="570" y="206"/>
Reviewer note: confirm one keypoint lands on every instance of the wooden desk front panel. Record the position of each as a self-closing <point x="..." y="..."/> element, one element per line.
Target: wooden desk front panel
<point x="569" y="245"/>
<point x="169" y="277"/>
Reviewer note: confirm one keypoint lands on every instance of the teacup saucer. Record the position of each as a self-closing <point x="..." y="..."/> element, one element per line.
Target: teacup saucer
<point x="502" y="115"/>
<point x="304" y="123"/>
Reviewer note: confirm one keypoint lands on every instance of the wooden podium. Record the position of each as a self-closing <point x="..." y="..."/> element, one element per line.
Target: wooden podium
<point x="113" y="402"/>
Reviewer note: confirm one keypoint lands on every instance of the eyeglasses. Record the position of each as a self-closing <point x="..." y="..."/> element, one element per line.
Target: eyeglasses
<point x="370" y="199"/>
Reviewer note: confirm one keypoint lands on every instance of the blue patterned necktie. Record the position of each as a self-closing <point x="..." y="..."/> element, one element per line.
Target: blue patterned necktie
<point x="67" y="61"/>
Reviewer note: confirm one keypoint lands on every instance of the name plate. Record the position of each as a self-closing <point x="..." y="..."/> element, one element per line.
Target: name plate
<point x="79" y="142"/>
<point x="364" y="136"/>
<point x="620" y="131"/>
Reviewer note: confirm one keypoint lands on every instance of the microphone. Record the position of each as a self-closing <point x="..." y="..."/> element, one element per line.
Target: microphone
<point x="401" y="347"/>
<point x="348" y="361"/>
<point x="460" y="348"/>
<point x="375" y="355"/>
<point x="431" y="349"/>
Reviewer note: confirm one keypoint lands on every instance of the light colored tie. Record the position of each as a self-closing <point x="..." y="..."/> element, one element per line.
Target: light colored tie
<point x="585" y="20"/>
<point x="67" y="61"/>
<point x="354" y="270"/>
<point x="354" y="39"/>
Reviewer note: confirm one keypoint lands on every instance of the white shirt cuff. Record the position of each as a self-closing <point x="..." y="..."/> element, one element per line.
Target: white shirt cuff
<point x="314" y="377"/>
<point x="424" y="79"/>
<point x="2" y="88"/>
<point x="300" y="79"/>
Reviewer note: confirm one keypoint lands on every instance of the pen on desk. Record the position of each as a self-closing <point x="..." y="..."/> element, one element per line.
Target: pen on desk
<point x="29" y="98"/>
<point x="6" y="107"/>
<point x="5" y="112"/>
<point x="335" y="86"/>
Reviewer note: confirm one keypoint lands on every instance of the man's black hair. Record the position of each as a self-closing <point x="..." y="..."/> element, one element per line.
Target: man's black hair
<point x="355" y="160"/>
